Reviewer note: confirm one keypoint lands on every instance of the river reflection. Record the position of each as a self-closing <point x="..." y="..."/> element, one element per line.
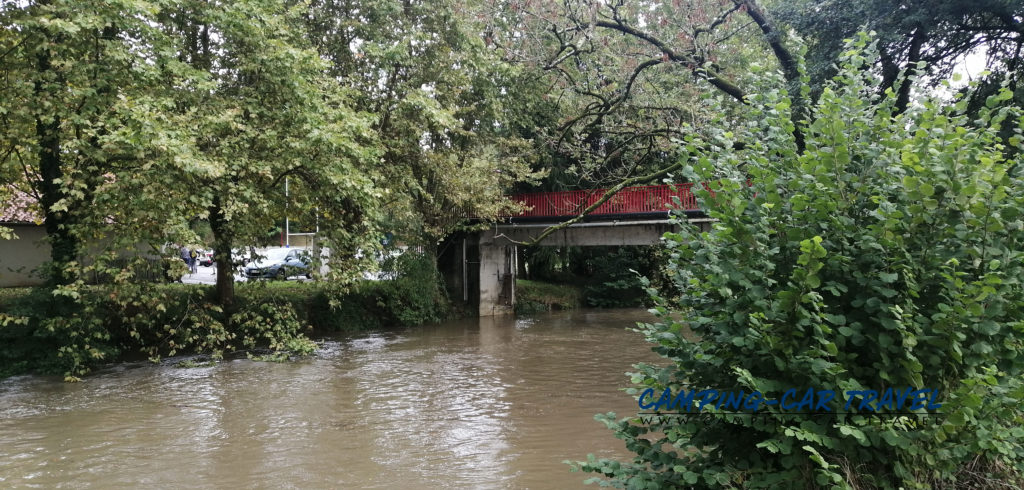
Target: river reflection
<point x="488" y="403"/>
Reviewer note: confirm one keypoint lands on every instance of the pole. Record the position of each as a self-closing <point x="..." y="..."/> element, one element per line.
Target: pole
<point x="465" y="274"/>
<point x="287" y="231"/>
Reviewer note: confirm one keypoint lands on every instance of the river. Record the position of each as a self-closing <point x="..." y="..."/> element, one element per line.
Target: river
<point x="478" y="403"/>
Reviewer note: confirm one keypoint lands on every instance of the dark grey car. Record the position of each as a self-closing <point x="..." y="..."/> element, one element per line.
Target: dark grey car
<point x="279" y="263"/>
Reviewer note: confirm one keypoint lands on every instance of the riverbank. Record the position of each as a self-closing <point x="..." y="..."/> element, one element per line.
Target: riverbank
<point x="42" y="333"/>
<point x="537" y="296"/>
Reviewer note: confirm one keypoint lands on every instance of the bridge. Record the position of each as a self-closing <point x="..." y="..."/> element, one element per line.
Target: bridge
<point x="484" y="265"/>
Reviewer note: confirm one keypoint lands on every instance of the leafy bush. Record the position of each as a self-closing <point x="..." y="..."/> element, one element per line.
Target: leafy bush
<point x="69" y="330"/>
<point x="41" y="332"/>
<point x="416" y="296"/>
<point x="888" y="254"/>
<point x="617" y="277"/>
<point x="74" y="329"/>
<point x="536" y="296"/>
<point x="274" y="325"/>
<point x="24" y="345"/>
<point x="412" y="295"/>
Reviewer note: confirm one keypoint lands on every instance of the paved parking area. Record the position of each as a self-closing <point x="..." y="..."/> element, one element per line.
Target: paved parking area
<point x="206" y="275"/>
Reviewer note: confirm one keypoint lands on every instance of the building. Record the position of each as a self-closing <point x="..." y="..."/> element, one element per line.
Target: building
<point x="21" y="257"/>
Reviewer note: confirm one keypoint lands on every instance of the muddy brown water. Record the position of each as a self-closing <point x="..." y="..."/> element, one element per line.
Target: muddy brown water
<point x="488" y="403"/>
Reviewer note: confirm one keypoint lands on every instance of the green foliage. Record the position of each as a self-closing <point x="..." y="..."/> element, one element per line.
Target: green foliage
<point x="888" y="254"/>
<point x="265" y="115"/>
<point x="194" y="363"/>
<point x="617" y="277"/>
<point x="43" y="333"/>
<point x="536" y="296"/>
<point x="624" y="77"/>
<point x="147" y="122"/>
<point x="275" y="325"/>
<point x="417" y="295"/>
<point x="941" y="32"/>
<point x="443" y="107"/>
<point x="71" y="73"/>
<point x="134" y="120"/>
<point x="23" y="345"/>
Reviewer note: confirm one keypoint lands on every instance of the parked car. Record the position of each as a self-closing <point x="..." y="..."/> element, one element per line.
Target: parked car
<point x="279" y="263"/>
<point x="206" y="257"/>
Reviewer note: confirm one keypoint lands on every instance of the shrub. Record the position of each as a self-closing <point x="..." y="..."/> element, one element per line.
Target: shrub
<point x="47" y="333"/>
<point x="71" y="330"/>
<point x="274" y="325"/>
<point x="887" y="254"/>
<point x="616" y="276"/>
<point x="536" y="296"/>
<point x="416" y="296"/>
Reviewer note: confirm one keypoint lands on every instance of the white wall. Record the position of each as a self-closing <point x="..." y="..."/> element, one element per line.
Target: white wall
<point x="19" y="258"/>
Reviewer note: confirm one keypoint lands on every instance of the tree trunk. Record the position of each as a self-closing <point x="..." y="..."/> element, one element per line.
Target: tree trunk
<point x="521" y="263"/>
<point x="913" y="56"/>
<point x="222" y="242"/>
<point x="63" y="245"/>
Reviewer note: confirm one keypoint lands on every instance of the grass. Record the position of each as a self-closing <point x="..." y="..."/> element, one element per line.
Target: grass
<point x="10" y="295"/>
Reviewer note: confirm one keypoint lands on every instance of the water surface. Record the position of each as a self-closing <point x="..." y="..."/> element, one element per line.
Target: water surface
<point x="479" y="403"/>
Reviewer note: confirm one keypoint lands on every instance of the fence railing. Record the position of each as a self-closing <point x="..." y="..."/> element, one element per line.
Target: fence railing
<point x="631" y="200"/>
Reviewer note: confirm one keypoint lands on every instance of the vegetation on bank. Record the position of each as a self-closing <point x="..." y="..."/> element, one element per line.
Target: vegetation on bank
<point x="43" y="333"/>
<point x="603" y="277"/>
<point x="537" y="296"/>
<point x="885" y="253"/>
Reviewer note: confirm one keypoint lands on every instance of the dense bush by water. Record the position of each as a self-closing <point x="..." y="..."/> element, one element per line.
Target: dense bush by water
<point x="45" y="333"/>
<point x="887" y="254"/>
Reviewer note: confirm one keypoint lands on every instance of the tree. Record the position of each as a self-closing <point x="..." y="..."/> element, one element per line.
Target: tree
<point x="884" y="253"/>
<point x="443" y="103"/>
<point x="68" y="70"/>
<point x="625" y="94"/>
<point x="259" y="109"/>
<point x="132" y="119"/>
<point x="638" y="77"/>
<point x="638" y="73"/>
<point x="941" y="34"/>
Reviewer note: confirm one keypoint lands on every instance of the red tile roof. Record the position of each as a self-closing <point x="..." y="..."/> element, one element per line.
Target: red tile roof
<point x="18" y="206"/>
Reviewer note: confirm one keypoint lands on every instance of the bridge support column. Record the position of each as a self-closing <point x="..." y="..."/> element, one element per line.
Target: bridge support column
<point x="497" y="277"/>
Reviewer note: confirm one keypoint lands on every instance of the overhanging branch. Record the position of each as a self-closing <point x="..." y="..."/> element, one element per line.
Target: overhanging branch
<point x="640" y="179"/>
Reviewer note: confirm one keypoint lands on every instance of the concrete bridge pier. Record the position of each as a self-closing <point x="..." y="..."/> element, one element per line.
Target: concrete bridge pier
<point x="497" y="276"/>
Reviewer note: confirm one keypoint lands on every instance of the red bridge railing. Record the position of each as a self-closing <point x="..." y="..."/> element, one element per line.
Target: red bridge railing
<point x="639" y="199"/>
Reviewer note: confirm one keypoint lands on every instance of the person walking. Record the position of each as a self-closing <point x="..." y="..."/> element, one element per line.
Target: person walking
<point x="193" y="260"/>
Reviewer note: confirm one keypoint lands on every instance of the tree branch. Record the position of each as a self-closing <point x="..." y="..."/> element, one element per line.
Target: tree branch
<point x="688" y="59"/>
